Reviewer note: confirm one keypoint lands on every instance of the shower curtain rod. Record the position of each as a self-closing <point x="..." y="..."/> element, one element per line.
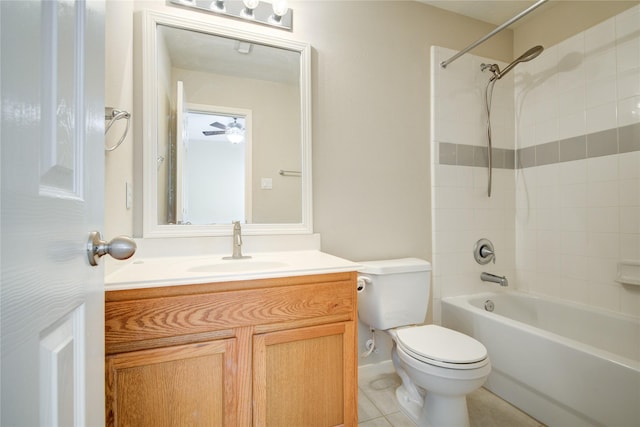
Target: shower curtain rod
<point x="481" y="40"/>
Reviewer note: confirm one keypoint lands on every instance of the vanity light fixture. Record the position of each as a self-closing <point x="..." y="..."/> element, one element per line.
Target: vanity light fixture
<point x="280" y="8"/>
<point x="275" y="14"/>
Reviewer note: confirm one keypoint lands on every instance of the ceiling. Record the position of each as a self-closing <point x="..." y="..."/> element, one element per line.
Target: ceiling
<point x="491" y="11"/>
<point x="196" y="51"/>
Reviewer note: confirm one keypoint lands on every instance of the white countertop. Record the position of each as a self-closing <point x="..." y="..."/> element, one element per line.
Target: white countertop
<point x="182" y="270"/>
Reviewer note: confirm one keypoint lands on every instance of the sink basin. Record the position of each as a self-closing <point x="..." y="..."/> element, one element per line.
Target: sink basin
<point x="237" y="266"/>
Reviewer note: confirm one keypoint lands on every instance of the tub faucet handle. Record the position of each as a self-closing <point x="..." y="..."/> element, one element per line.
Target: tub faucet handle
<point x="486" y="252"/>
<point x="483" y="252"/>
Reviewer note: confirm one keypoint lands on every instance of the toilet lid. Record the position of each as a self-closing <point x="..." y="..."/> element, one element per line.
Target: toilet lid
<point x="441" y="344"/>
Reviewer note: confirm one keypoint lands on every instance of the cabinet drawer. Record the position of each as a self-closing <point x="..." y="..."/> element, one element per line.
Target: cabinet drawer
<point x="214" y="313"/>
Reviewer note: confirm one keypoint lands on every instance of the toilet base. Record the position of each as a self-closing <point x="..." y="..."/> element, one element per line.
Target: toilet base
<point x="436" y="411"/>
<point x="433" y="396"/>
<point x="409" y="407"/>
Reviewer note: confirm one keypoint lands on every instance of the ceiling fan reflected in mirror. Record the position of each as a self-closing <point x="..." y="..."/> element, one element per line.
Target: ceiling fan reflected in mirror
<point x="234" y="131"/>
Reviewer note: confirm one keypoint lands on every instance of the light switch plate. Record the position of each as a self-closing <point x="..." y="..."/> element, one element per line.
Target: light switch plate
<point x="266" y="183"/>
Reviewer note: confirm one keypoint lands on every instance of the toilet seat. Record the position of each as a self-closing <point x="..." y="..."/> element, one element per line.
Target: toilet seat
<point x="442" y="347"/>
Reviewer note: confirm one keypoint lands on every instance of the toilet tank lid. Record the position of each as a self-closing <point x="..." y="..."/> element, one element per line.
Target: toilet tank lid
<point x="390" y="266"/>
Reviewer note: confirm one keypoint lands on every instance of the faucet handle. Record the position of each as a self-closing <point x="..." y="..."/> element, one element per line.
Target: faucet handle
<point x="486" y="252"/>
<point x="483" y="252"/>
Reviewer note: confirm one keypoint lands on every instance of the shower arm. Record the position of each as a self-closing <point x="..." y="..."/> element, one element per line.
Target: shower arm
<point x="481" y="40"/>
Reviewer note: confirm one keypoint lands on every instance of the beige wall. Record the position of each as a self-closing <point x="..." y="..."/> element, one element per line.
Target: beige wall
<point x="370" y="116"/>
<point x="558" y="20"/>
<point x="371" y="120"/>
<point x="118" y="94"/>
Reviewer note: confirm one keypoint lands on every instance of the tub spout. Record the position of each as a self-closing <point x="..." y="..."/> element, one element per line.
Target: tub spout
<point x="488" y="277"/>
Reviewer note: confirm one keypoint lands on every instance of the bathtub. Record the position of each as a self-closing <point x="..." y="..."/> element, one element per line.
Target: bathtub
<point x="562" y="363"/>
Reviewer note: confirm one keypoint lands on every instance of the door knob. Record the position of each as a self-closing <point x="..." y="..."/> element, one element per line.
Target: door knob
<point x="121" y="247"/>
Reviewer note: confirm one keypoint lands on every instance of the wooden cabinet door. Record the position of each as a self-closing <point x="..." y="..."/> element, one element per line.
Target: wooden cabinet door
<point x="186" y="385"/>
<point x="305" y="377"/>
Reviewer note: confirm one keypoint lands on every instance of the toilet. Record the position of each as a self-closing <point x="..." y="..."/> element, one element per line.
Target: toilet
<point x="438" y="366"/>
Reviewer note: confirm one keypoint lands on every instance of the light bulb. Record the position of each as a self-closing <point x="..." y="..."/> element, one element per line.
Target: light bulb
<point x="280" y="7"/>
<point x="251" y="4"/>
<point x="235" y="136"/>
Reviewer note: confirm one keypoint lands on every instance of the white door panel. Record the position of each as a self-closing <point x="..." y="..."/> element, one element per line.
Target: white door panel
<point x="52" y="300"/>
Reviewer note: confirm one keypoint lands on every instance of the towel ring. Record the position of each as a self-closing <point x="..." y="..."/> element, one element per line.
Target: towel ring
<point x="114" y="115"/>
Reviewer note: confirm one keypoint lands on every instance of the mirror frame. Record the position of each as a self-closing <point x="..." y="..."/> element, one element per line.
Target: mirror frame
<point x="145" y="68"/>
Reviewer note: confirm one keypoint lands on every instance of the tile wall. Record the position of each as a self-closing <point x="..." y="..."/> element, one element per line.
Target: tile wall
<point x="578" y="166"/>
<point x="462" y="212"/>
<point x="568" y="208"/>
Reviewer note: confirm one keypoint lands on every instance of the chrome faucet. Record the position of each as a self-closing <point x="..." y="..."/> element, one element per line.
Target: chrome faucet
<point x="488" y="277"/>
<point x="237" y="243"/>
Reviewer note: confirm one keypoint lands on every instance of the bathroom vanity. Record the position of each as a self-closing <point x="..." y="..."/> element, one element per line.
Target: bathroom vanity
<point x="203" y="341"/>
<point x="233" y="349"/>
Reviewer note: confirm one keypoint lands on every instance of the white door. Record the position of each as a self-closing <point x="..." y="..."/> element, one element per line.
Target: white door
<point x="52" y="300"/>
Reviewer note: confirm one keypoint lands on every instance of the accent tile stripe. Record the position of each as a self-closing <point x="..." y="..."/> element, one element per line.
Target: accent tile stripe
<point x="573" y="148"/>
<point x="547" y="154"/>
<point x="604" y="143"/>
<point x="629" y="138"/>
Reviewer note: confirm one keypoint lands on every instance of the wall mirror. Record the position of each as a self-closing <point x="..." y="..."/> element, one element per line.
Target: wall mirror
<point x="226" y="133"/>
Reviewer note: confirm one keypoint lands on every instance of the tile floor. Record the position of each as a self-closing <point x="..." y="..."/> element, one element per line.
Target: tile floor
<point x="377" y="406"/>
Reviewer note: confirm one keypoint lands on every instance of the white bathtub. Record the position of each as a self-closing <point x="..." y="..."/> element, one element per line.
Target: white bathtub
<point x="564" y="364"/>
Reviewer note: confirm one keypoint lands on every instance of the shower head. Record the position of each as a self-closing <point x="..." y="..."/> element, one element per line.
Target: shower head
<point x="527" y="56"/>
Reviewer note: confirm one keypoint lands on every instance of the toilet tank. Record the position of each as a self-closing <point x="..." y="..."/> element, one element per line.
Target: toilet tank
<point x="395" y="294"/>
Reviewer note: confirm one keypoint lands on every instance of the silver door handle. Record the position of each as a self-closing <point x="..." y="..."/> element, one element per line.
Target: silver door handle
<point x="121" y="247"/>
